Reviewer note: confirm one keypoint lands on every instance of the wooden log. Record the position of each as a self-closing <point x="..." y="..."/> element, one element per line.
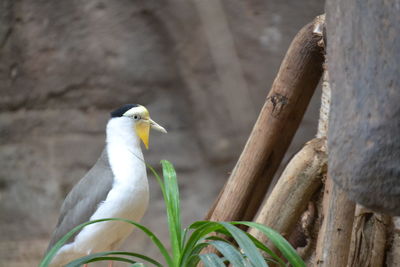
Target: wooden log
<point x="369" y="239"/>
<point x="393" y="253"/>
<point x="335" y="234"/>
<point x="276" y="125"/>
<point x="291" y="195"/>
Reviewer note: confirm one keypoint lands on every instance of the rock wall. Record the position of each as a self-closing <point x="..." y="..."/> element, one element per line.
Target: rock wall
<point x="202" y="68"/>
<point x="363" y="60"/>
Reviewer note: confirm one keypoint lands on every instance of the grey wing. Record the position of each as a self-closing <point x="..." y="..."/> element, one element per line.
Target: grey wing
<point x="84" y="198"/>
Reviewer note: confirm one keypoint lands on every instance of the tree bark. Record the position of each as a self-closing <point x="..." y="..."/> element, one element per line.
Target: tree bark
<point x="298" y="183"/>
<point x="369" y="239"/>
<point x="335" y="234"/>
<point x="277" y="123"/>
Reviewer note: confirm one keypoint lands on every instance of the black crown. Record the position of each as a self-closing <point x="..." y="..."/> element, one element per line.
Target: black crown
<point x="120" y="111"/>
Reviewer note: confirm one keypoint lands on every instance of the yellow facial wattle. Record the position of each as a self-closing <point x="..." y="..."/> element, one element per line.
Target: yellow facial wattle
<point x="143" y="131"/>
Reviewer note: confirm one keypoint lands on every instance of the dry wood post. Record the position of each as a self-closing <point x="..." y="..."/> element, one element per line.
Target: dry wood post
<point x="393" y="253"/>
<point x="276" y="125"/>
<point x="367" y="231"/>
<point x="369" y="238"/>
<point x="338" y="214"/>
<point x="290" y="197"/>
<point x="372" y="238"/>
<point x="302" y="177"/>
<point x="335" y="234"/>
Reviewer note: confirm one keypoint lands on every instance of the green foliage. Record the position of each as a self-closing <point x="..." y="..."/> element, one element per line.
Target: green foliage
<point x="187" y="244"/>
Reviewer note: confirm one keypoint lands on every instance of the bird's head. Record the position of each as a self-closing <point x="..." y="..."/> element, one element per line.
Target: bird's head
<point x="141" y="120"/>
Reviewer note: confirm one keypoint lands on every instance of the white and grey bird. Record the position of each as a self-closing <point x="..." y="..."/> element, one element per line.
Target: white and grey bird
<point x="116" y="186"/>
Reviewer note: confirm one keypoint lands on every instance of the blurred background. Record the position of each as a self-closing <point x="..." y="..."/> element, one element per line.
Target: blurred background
<point x="203" y="68"/>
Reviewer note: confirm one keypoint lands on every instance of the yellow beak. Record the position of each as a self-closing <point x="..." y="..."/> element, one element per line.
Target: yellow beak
<point x="143" y="130"/>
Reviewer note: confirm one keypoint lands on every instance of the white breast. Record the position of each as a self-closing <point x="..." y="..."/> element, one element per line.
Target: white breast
<point x="128" y="198"/>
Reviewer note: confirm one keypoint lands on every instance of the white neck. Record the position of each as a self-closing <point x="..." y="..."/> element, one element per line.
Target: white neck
<point x="124" y="151"/>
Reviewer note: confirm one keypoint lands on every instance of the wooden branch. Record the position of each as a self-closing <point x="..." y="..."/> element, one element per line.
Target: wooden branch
<point x="393" y="253"/>
<point x="297" y="184"/>
<point x="325" y="106"/>
<point x="277" y="123"/>
<point x="335" y="234"/>
<point x="368" y="239"/>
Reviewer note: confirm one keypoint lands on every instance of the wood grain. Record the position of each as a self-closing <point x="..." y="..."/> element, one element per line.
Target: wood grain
<point x="276" y="125"/>
<point x="335" y="234"/>
<point x="297" y="184"/>
<point x="369" y="239"/>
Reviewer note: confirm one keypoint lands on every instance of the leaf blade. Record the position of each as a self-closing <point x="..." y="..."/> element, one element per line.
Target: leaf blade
<point x="50" y="255"/>
<point x="83" y="260"/>
<point x="211" y="260"/>
<point x="173" y="208"/>
<point x="279" y="242"/>
<point x="229" y="252"/>
<point x="246" y="245"/>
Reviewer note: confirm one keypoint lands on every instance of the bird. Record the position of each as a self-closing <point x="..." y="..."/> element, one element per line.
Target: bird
<point x="116" y="186"/>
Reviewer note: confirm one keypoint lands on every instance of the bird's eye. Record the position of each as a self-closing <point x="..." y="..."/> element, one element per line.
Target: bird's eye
<point x="136" y="117"/>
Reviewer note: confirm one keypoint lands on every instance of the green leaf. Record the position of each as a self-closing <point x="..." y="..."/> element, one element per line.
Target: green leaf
<point x="274" y="258"/>
<point x="198" y="224"/>
<point x="194" y="258"/>
<point x="160" y="182"/>
<point x="217" y="238"/>
<point x="279" y="242"/>
<point x="173" y="208"/>
<point x="184" y="238"/>
<point x="47" y="259"/>
<point x="202" y="229"/>
<point x="89" y="260"/>
<point x="211" y="260"/>
<point x="246" y="245"/>
<point x="230" y="253"/>
<point x="86" y="259"/>
<point x="167" y="206"/>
